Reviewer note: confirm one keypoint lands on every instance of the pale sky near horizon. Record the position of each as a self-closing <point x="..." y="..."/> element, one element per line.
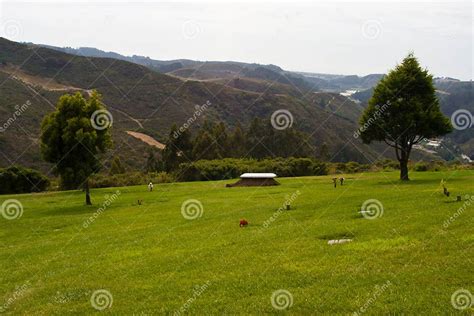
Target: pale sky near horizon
<point x="350" y="37"/>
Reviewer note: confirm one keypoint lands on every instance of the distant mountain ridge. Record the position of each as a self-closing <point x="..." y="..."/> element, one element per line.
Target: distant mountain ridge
<point x="185" y="67"/>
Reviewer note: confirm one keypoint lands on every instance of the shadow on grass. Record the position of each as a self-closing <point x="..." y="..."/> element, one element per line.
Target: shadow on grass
<point x="455" y="201"/>
<point x="411" y="182"/>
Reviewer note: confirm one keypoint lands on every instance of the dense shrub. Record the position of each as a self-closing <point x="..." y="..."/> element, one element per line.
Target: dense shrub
<point x="22" y="180"/>
<point x="437" y="165"/>
<point x="434" y="165"/>
<point x="232" y="168"/>
<point x="131" y="178"/>
<point x="459" y="165"/>
<point x="421" y="166"/>
<point x="387" y="165"/>
<point x="161" y="177"/>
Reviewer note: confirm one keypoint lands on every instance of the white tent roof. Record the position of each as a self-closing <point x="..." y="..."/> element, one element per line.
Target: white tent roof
<point x="258" y="176"/>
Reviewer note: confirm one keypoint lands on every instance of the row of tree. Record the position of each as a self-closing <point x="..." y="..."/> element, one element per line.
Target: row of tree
<point x="215" y="141"/>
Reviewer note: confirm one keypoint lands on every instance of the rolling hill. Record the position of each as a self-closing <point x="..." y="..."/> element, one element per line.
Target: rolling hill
<point x="148" y="96"/>
<point x="146" y="101"/>
<point x="205" y="70"/>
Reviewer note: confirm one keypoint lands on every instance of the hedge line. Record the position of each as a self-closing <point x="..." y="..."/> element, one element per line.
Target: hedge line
<point x="230" y="168"/>
<point x="22" y="180"/>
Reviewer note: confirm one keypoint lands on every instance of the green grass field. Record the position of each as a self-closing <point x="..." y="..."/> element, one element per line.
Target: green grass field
<point x="152" y="260"/>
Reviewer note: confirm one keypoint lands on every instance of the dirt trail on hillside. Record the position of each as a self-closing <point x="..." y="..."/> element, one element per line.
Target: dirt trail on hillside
<point x="89" y="92"/>
<point x="128" y="116"/>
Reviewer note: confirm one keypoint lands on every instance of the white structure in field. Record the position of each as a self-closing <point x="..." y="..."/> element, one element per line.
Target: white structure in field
<point x="255" y="179"/>
<point x="258" y="176"/>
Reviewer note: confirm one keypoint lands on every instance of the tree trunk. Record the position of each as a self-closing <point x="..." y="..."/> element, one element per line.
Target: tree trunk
<point x="88" y="196"/>
<point x="404" y="170"/>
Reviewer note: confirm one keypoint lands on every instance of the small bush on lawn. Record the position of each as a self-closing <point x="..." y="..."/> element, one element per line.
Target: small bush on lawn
<point x="437" y="165"/>
<point x="387" y="165"/>
<point x="17" y="179"/>
<point x="421" y="166"/>
<point x="433" y="165"/>
<point x="160" y="177"/>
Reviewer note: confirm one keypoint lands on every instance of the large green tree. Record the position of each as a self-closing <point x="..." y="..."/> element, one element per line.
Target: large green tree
<point x="73" y="136"/>
<point x="403" y="111"/>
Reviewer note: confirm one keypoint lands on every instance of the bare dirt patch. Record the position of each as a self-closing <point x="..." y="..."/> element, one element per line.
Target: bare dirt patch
<point x="146" y="139"/>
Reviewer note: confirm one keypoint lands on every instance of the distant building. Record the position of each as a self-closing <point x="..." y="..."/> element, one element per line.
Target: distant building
<point x="433" y="143"/>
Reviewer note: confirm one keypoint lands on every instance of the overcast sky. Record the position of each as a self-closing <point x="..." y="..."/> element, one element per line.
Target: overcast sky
<point x="349" y="37"/>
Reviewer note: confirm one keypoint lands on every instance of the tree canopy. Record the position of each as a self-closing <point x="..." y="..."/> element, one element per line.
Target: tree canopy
<point x="73" y="136"/>
<point x="403" y="111"/>
<point x="215" y="141"/>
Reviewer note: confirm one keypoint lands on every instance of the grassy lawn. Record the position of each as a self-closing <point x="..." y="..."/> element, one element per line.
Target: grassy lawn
<point x="150" y="259"/>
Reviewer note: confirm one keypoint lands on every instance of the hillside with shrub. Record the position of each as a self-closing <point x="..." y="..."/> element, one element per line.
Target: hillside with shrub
<point x="146" y="101"/>
<point x="150" y="102"/>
